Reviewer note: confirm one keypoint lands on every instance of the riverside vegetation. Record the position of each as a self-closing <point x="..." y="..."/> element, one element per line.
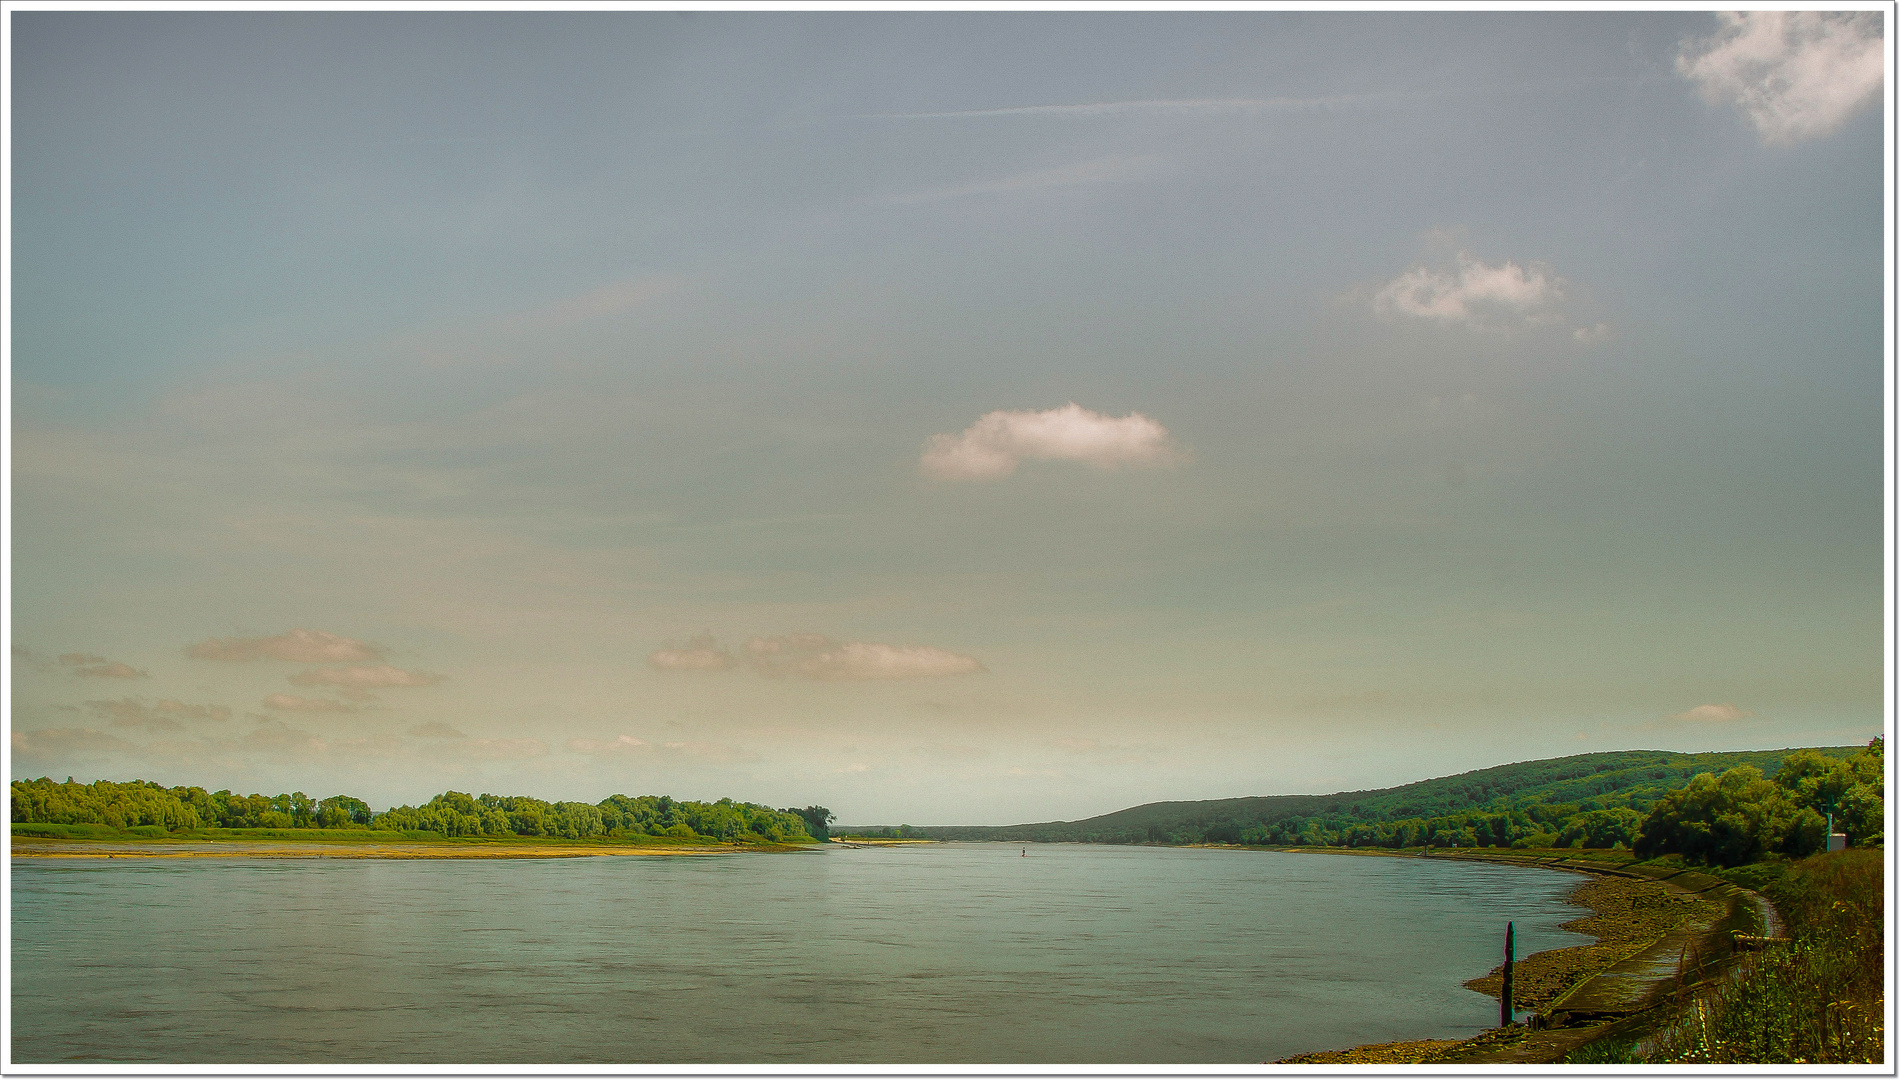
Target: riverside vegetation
<point x="1815" y="998"/>
<point x="1761" y="822"/>
<point x="140" y="808"/>
<point x="1585" y="801"/>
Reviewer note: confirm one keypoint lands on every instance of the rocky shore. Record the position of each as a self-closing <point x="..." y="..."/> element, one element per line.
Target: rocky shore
<point x="1658" y="930"/>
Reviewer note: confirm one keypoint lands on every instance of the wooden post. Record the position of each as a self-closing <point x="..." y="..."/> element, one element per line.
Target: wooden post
<point x="1504" y="1001"/>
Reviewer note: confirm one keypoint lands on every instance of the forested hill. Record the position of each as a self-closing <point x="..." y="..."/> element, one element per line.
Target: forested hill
<point x="1519" y="799"/>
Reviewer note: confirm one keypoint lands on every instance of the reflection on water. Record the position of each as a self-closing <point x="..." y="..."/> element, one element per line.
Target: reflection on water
<point x="931" y="953"/>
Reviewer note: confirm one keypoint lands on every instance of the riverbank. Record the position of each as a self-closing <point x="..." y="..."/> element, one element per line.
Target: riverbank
<point x="36" y="848"/>
<point x="1659" y="929"/>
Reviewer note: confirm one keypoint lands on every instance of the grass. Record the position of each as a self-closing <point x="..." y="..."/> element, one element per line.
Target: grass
<point x="1816" y="999"/>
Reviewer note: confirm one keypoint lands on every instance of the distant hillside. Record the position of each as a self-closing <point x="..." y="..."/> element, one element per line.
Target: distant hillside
<point x="1516" y="799"/>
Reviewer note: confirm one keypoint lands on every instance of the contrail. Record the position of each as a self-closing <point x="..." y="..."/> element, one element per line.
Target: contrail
<point x="1110" y="108"/>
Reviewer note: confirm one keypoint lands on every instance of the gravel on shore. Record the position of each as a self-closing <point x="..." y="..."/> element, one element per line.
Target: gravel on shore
<point x="1626" y="915"/>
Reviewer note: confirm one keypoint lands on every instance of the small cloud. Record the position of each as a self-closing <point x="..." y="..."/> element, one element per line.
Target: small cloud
<point x="1713" y="714"/>
<point x="625" y="744"/>
<point x="165" y="715"/>
<point x="297" y="646"/>
<point x="700" y="653"/>
<point x="814" y="656"/>
<point x="1475" y="294"/>
<point x="1590" y="335"/>
<point x="357" y="680"/>
<point x="216" y="713"/>
<point x="435" y="729"/>
<point x="293" y="703"/>
<point x="132" y="713"/>
<point x="89" y="666"/>
<point x="1797" y="74"/>
<point x="998" y="442"/>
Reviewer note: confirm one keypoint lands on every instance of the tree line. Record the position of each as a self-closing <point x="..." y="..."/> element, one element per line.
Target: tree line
<point x="1730" y="819"/>
<point x="1730" y="807"/>
<point x="450" y="814"/>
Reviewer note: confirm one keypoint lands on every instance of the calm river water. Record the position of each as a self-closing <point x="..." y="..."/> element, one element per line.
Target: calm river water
<point x="953" y="953"/>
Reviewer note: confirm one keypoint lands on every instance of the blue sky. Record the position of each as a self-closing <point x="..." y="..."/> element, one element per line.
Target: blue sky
<point x="972" y="418"/>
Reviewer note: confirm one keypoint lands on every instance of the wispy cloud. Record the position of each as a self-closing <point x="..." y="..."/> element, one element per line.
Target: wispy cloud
<point x="624" y="744"/>
<point x="293" y="703"/>
<point x="166" y="714"/>
<point x="132" y="713"/>
<point x="814" y="656"/>
<point x="998" y="442"/>
<point x="378" y="677"/>
<point x="1098" y="171"/>
<point x="1479" y="296"/>
<point x="1155" y="106"/>
<point x="297" y="646"/>
<point x="1797" y="74"/>
<point x="435" y="729"/>
<point x="57" y="744"/>
<point x="699" y="653"/>
<point x="89" y="666"/>
<point x="1713" y="714"/>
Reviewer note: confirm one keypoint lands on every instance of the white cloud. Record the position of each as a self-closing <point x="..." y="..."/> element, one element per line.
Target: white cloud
<point x="435" y="729"/>
<point x="1098" y="171"/>
<point x="1713" y="714"/>
<point x="364" y="678"/>
<point x="1798" y="74"/>
<point x="814" y="656"/>
<point x="297" y="646"/>
<point x="700" y="653"/>
<point x="89" y="666"/>
<point x="1475" y="294"/>
<point x="293" y="703"/>
<point x="998" y="442"/>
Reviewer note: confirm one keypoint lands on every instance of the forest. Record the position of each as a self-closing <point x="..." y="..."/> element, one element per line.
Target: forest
<point x="1718" y="807"/>
<point x="152" y="808"/>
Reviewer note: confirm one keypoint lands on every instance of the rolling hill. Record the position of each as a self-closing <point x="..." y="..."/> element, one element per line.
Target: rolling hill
<point x="1537" y="790"/>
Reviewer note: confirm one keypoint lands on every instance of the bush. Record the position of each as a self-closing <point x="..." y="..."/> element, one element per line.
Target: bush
<point x="1816" y="999"/>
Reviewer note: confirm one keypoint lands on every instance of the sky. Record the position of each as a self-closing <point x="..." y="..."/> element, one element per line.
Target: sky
<point x="945" y="418"/>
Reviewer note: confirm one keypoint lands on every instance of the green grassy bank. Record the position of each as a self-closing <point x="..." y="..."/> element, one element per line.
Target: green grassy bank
<point x="1815" y="998"/>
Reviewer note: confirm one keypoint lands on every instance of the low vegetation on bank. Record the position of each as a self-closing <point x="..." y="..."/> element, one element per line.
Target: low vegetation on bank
<point x="143" y="809"/>
<point x="1815" y="998"/>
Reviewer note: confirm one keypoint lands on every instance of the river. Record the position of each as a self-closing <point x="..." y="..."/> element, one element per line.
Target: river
<point x="928" y="954"/>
